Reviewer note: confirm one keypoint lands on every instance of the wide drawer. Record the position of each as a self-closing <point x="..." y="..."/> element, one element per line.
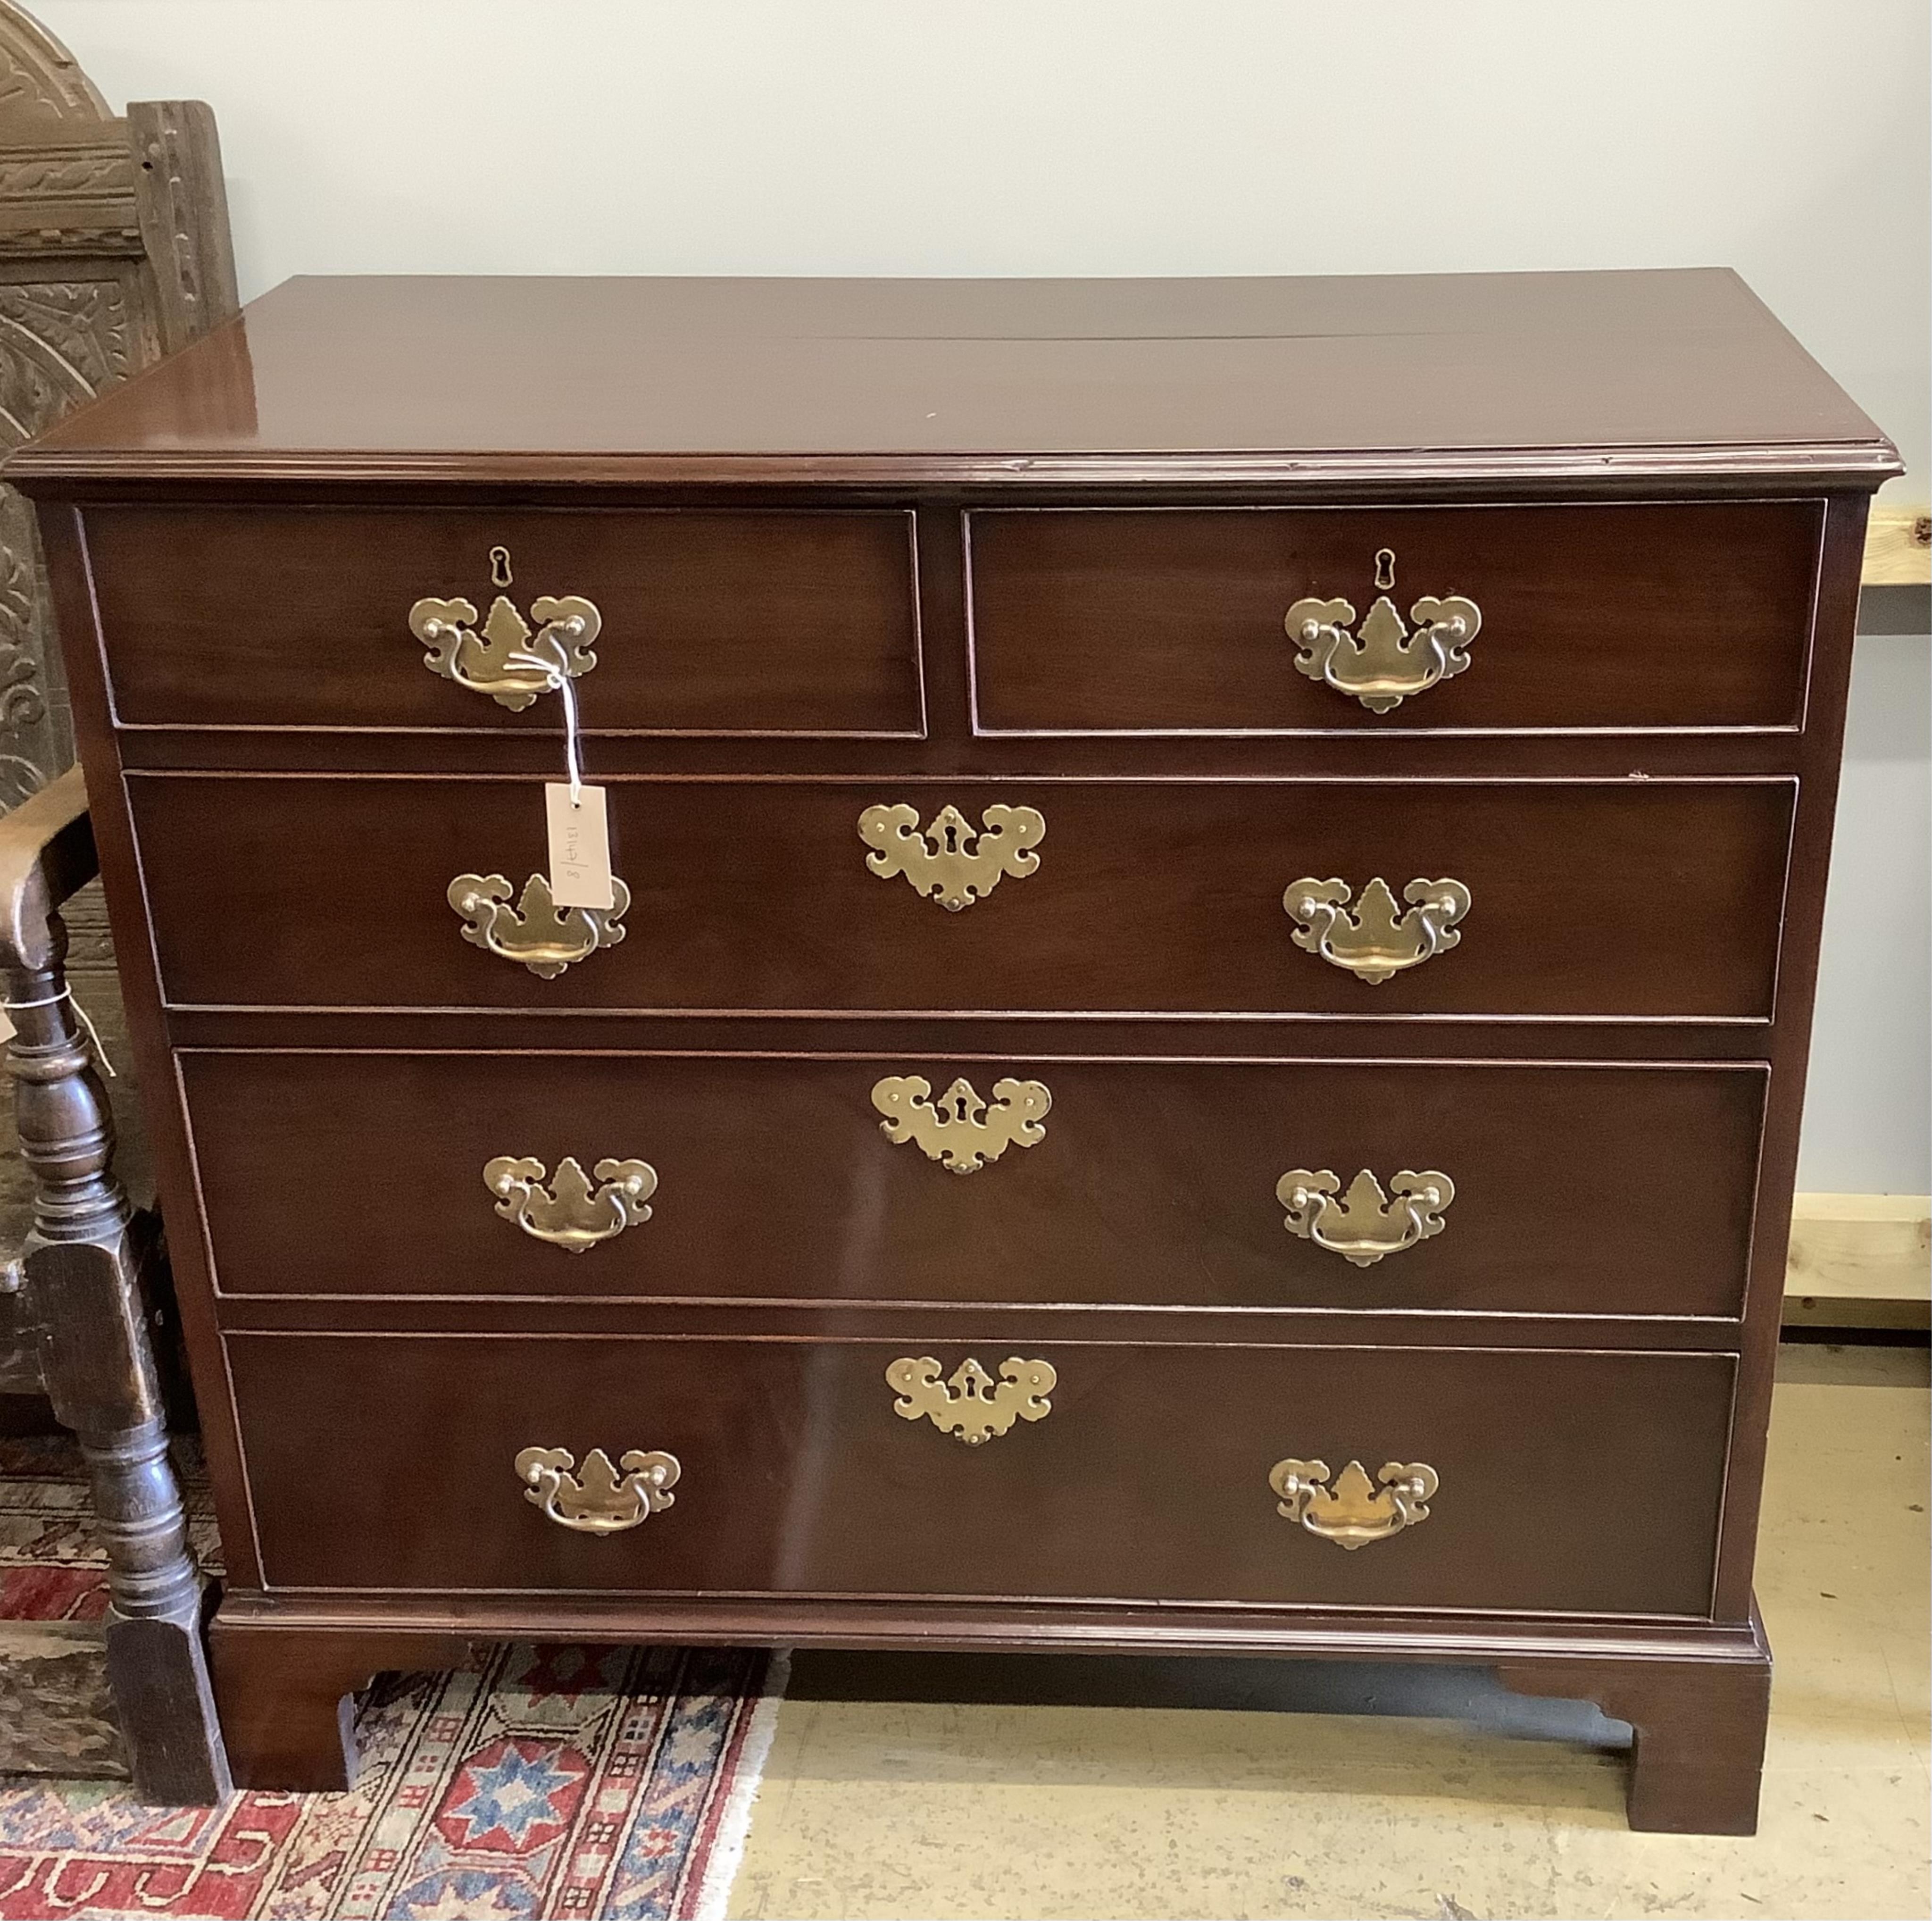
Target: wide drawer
<point x="1159" y="620"/>
<point x="1535" y="1189"/>
<point x="1643" y="899"/>
<point x="711" y="622"/>
<point x="1561" y="1481"/>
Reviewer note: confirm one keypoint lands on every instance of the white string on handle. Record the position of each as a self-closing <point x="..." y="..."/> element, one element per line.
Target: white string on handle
<point x="572" y="756"/>
<point x="86" y="1020"/>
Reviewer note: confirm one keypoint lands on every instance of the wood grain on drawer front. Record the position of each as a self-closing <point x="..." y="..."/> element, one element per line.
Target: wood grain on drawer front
<point x="1579" y="1189"/>
<point x="730" y="622"/>
<point x="1639" y="898"/>
<point x="1161" y="620"/>
<point x="1586" y="1481"/>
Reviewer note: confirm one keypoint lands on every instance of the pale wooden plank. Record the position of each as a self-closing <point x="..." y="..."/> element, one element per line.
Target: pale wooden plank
<point x="1898" y="547"/>
<point x="1860" y="1260"/>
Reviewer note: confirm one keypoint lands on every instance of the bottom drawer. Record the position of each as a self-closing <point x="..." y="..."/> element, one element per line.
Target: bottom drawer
<point x="1574" y="1482"/>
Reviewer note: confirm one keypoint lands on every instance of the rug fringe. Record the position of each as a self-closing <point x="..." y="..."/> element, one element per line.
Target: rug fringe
<point x="734" y="1824"/>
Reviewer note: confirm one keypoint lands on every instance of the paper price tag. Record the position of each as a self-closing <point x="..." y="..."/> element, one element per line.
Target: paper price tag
<point x="580" y="846"/>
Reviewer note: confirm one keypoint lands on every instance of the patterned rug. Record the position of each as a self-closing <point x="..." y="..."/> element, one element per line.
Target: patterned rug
<point x="570" y="1781"/>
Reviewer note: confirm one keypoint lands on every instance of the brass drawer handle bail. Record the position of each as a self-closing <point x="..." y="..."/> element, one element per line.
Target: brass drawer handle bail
<point x="959" y="1130"/>
<point x="1376" y="940"/>
<point x="951" y="861"/>
<point x="537" y="933"/>
<point x="1365" y="1225"/>
<point x="504" y="659"/>
<point x="570" y="1213"/>
<point x="971" y="1404"/>
<point x="1355" y="1512"/>
<point x="595" y="1500"/>
<point x="1383" y="665"/>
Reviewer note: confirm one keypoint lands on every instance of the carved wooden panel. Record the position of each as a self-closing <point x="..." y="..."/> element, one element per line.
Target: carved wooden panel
<point x="114" y="250"/>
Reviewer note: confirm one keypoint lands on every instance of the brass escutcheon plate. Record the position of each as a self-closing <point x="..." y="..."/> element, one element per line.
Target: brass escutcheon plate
<point x="971" y="1404"/>
<point x="951" y="861"/>
<point x="959" y="1130"/>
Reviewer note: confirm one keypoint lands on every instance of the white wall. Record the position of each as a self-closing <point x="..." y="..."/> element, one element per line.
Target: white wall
<point x="1787" y="138"/>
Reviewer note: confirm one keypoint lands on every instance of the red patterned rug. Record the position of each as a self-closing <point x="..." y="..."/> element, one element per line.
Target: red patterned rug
<point x="569" y="1781"/>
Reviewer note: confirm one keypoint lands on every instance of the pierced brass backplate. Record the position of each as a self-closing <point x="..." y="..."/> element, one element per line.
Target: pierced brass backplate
<point x="1364" y="1224"/>
<point x="570" y="1213"/>
<point x="1376" y="941"/>
<point x="1383" y="665"/>
<point x="595" y="1500"/>
<point x="1355" y="1512"/>
<point x="970" y="1405"/>
<point x="545" y="938"/>
<point x="959" y="1130"/>
<point x="504" y="659"/>
<point x="952" y="862"/>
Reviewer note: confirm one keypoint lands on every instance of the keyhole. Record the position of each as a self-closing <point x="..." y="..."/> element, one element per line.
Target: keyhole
<point x="500" y="566"/>
<point x="952" y="838"/>
<point x="1384" y="568"/>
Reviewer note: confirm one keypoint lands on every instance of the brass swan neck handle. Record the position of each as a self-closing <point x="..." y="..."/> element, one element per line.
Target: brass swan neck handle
<point x="1355" y="1510"/>
<point x="596" y="1499"/>
<point x="536" y="932"/>
<point x="1364" y="1226"/>
<point x="569" y="1212"/>
<point x="1384" y="664"/>
<point x="1375" y="940"/>
<point x="504" y="658"/>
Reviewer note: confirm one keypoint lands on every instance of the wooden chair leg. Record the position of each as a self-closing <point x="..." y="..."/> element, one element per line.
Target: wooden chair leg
<point x="84" y="1290"/>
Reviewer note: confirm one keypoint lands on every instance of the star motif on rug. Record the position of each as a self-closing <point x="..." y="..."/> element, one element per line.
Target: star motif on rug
<point x="513" y="1796"/>
<point x="471" y="1897"/>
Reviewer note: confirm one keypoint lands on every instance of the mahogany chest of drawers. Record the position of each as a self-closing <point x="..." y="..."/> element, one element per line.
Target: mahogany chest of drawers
<point x="1198" y="1041"/>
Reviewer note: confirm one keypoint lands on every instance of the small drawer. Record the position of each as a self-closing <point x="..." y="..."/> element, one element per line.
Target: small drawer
<point x="1157" y="620"/>
<point x="1636" y="899"/>
<point x="1317" y="1477"/>
<point x="740" y="622"/>
<point x="1534" y="1189"/>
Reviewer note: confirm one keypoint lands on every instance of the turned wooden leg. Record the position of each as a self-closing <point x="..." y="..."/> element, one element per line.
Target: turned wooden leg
<point x="1699" y="1727"/>
<point x="83" y="1286"/>
<point x="288" y="1696"/>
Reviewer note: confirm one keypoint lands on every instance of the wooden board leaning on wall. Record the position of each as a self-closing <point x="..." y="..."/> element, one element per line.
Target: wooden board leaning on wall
<point x="1898" y="547"/>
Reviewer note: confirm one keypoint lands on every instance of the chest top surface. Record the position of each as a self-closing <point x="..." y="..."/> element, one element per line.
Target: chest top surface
<point x="1576" y="379"/>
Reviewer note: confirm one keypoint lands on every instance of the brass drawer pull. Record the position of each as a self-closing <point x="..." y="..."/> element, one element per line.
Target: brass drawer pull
<point x="959" y="1129"/>
<point x="1383" y="665"/>
<point x="971" y="1405"/>
<point x="570" y="1213"/>
<point x="595" y="1500"/>
<point x="952" y="862"/>
<point x="1355" y="1512"/>
<point x="1376" y="941"/>
<point x="1365" y="1224"/>
<point x="505" y="660"/>
<point x="545" y="938"/>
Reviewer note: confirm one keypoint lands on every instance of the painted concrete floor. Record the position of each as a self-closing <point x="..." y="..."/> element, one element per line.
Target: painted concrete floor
<point x="1015" y="1788"/>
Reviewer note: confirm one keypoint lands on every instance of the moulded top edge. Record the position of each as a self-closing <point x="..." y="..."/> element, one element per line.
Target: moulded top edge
<point x="52" y="471"/>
